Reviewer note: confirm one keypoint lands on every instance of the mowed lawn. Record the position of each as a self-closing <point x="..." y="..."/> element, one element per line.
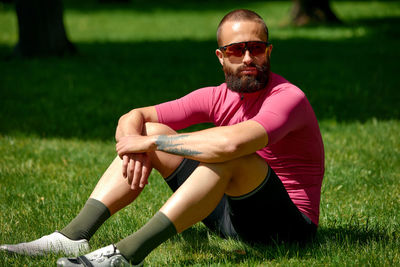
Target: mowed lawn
<point x="58" y="117"/>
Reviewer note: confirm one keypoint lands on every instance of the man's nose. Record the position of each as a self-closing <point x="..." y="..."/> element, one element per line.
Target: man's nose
<point x="247" y="58"/>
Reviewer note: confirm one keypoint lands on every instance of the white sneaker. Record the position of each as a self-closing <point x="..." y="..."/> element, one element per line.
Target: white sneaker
<point x="108" y="256"/>
<point x="53" y="243"/>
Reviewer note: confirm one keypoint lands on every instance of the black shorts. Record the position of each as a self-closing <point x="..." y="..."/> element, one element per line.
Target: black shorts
<point x="266" y="214"/>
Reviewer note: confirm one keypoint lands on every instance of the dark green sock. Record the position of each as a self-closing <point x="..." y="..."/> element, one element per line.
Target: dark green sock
<point x="138" y="245"/>
<point x="89" y="219"/>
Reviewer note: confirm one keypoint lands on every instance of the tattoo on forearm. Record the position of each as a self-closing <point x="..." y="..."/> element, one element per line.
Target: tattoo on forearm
<point x="171" y="145"/>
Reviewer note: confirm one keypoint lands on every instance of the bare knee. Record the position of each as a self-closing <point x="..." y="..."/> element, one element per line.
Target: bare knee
<point x="244" y="173"/>
<point x="155" y="128"/>
<point x="238" y="166"/>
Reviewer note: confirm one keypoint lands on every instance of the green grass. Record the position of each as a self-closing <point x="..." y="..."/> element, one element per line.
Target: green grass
<point x="58" y="116"/>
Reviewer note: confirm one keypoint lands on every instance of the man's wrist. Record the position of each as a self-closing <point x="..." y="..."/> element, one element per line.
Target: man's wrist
<point x="153" y="142"/>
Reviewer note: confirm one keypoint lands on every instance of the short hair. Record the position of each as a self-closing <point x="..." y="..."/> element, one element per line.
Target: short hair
<point x="240" y="15"/>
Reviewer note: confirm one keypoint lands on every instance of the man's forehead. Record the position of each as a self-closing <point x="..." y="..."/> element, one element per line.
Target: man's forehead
<point x="242" y="29"/>
<point x="235" y="25"/>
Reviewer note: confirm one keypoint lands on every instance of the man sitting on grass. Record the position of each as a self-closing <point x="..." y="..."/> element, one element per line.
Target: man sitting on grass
<point x="256" y="176"/>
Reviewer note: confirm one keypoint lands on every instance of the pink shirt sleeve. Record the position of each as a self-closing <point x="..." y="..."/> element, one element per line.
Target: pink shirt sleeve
<point x="191" y="109"/>
<point x="282" y="112"/>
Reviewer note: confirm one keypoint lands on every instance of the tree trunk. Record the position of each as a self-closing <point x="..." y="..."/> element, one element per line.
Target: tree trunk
<point x="312" y="12"/>
<point x="41" y="29"/>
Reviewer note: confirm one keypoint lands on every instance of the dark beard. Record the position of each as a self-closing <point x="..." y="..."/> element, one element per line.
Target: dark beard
<point x="247" y="83"/>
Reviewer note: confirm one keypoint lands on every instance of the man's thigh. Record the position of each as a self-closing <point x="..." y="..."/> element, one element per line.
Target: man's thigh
<point x="247" y="173"/>
<point x="219" y="220"/>
<point x="263" y="214"/>
<point x="267" y="213"/>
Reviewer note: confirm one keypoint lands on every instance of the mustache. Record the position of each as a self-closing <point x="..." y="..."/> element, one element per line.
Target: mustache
<point x="261" y="68"/>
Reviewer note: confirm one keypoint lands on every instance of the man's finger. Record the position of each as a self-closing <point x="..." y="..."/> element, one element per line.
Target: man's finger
<point x="130" y="170"/>
<point x="144" y="177"/>
<point x="120" y="148"/>
<point x="137" y="173"/>
<point x="125" y="161"/>
<point x="146" y="169"/>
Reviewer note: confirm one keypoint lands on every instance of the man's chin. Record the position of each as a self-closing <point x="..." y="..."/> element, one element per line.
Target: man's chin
<point x="247" y="80"/>
<point x="244" y="77"/>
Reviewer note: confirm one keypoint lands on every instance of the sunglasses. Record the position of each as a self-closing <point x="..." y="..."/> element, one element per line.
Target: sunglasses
<point x="255" y="48"/>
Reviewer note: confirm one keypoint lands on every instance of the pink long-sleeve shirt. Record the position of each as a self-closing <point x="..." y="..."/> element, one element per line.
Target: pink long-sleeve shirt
<point x="295" y="149"/>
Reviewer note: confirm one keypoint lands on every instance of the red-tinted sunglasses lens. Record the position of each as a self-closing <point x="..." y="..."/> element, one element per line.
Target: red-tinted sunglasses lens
<point x="256" y="49"/>
<point x="235" y="50"/>
<point x="238" y="50"/>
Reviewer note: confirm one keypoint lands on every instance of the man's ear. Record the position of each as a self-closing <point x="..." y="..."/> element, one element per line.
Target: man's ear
<point x="220" y="56"/>
<point x="269" y="51"/>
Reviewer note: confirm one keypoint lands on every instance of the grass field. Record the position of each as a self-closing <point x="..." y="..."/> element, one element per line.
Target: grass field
<point x="58" y="116"/>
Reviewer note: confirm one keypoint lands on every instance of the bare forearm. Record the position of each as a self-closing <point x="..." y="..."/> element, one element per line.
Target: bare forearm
<point x="129" y="124"/>
<point x="212" y="145"/>
<point x="174" y="144"/>
<point x="216" y="144"/>
<point x="192" y="146"/>
<point x="132" y="122"/>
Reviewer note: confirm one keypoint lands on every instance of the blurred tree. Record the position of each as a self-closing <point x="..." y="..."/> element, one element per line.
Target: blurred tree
<point x="41" y="29"/>
<point x="312" y="11"/>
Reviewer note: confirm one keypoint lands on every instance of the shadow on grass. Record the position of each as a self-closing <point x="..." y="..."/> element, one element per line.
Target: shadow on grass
<point x="198" y="250"/>
<point x="326" y="242"/>
<point x="83" y="96"/>
<point x="180" y="5"/>
<point x="149" y="6"/>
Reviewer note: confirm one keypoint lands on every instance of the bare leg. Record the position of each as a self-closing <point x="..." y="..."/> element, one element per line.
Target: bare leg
<point x="203" y="190"/>
<point x="113" y="190"/>
<point x="195" y="199"/>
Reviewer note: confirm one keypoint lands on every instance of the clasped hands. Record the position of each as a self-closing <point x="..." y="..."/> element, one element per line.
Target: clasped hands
<point x="136" y="164"/>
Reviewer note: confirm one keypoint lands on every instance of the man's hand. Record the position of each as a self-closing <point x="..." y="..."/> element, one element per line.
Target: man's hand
<point x="131" y="145"/>
<point x="136" y="168"/>
<point x="134" y="144"/>
<point x="136" y="165"/>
